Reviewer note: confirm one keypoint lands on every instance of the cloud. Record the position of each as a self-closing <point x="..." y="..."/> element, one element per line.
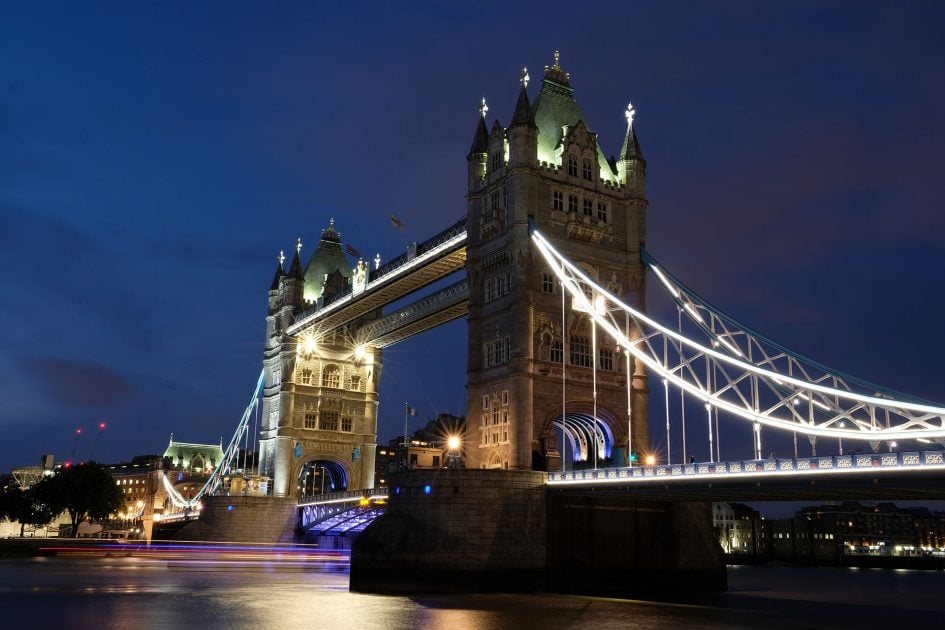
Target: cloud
<point x="77" y="382"/>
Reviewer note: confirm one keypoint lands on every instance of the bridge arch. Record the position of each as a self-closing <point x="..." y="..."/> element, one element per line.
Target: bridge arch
<point x="573" y="434"/>
<point x="321" y="475"/>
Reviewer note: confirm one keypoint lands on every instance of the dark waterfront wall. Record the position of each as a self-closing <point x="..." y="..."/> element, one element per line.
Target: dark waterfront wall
<point x="475" y="531"/>
<point x="620" y="546"/>
<point x="243" y="519"/>
<point x="498" y="530"/>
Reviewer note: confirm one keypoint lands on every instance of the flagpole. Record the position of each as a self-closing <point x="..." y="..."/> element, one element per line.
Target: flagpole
<point x="406" y="407"/>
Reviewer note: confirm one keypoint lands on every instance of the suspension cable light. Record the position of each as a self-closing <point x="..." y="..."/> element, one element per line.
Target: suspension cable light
<point x="666" y="404"/>
<point x="594" y="377"/>
<point x="921" y="419"/>
<point x="682" y="392"/>
<point x="629" y="399"/>
<point x="708" y="411"/>
<point x="564" y="380"/>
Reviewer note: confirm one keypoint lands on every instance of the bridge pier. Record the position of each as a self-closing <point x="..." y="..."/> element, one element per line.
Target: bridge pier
<point x="243" y="519"/>
<point x="477" y="530"/>
<point x="621" y="546"/>
<point x="465" y="530"/>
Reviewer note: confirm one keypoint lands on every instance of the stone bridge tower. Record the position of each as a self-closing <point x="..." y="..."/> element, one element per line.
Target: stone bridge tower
<point x="547" y="166"/>
<point x="318" y="424"/>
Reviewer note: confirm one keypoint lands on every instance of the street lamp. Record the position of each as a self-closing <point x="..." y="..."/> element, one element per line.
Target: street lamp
<point x="452" y="443"/>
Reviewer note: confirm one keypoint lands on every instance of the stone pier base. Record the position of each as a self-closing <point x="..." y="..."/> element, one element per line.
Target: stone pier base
<point x="243" y="519"/>
<point x="625" y="547"/>
<point x="455" y="531"/>
<point x="500" y="530"/>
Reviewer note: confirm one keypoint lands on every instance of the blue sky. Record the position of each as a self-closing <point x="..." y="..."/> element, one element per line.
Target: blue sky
<point x="155" y="159"/>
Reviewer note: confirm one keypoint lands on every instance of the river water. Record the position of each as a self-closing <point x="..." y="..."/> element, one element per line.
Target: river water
<point x="253" y="588"/>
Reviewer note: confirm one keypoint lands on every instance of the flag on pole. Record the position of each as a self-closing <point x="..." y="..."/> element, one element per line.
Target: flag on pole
<point x="396" y="223"/>
<point x="411" y="411"/>
<point x="353" y="252"/>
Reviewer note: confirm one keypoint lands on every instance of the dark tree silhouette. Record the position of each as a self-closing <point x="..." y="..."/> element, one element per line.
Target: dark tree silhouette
<point x="27" y="507"/>
<point x="86" y="491"/>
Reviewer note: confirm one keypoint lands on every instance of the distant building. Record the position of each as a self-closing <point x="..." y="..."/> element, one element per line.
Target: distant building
<point x="737" y="527"/>
<point x="851" y="528"/>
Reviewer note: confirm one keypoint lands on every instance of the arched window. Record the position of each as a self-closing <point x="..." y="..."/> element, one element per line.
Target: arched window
<point x="572" y="166"/>
<point x="331" y="377"/>
<point x="588" y="173"/>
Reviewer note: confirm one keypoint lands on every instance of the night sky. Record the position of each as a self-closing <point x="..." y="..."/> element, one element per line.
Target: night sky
<point x="154" y="160"/>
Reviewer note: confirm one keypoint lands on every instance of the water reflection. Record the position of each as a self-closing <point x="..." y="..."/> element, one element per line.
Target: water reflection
<point x="255" y="587"/>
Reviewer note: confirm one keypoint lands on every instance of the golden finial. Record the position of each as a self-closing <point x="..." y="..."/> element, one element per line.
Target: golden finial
<point x="555" y="71"/>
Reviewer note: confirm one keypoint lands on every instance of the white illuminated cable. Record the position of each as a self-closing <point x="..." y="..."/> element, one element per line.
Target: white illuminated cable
<point x="730" y="346"/>
<point x="693" y="312"/>
<point x="669" y="286"/>
<point x="880" y="402"/>
<point x="552" y="255"/>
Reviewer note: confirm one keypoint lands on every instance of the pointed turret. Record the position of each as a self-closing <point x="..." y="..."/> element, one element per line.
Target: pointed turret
<point x="478" y="152"/>
<point x="524" y="116"/>
<point x="631" y="167"/>
<point x="292" y="282"/>
<point x="295" y="269"/>
<point x="523" y="131"/>
<point x="480" y="143"/>
<point x="276" y="278"/>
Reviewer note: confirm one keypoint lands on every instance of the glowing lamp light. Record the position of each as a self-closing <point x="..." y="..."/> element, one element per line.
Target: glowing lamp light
<point x="600" y="305"/>
<point x="364" y="502"/>
<point x="650" y="460"/>
<point x="101" y="426"/>
<point x="308" y="345"/>
<point x="359" y="353"/>
<point x="453" y="442"/>
<point x="426" y="489"/>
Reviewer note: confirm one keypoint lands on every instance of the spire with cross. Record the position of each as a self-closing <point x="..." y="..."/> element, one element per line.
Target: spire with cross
<point x="298" y="246"/>
<point x="281" y="257"/>
<point x="524" y="78"/>
<point x="630" y="113"/>
<point x="483" y="108"/>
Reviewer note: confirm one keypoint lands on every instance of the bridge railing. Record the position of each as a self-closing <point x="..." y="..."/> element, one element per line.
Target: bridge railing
<point x="771" y="466"/>
<point x="348" y="496"/>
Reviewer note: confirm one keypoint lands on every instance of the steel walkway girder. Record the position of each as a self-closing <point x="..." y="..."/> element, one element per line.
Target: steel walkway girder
<point x="428" y="312"/>
<point x="383" y="295"/>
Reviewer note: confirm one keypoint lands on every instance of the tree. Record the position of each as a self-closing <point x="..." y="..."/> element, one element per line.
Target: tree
<point x="86" y="491"/>
<point x="27" y="507"/>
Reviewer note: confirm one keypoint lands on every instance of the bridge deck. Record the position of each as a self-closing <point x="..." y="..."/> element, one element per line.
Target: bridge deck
<point x="919" y="475"/>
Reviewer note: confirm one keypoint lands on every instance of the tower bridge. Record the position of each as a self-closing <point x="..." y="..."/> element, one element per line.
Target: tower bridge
<point x="561" y="351"/>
